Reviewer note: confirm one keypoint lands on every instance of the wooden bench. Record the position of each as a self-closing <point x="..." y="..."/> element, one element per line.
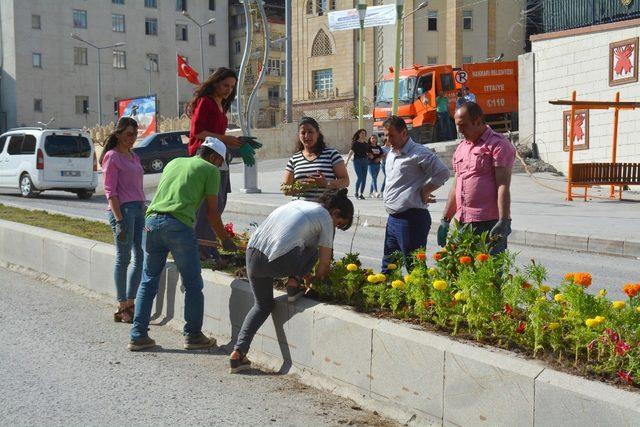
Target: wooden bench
<point x="615" y="174"/>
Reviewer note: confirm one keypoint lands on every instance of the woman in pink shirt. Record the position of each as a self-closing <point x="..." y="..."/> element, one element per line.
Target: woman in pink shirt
<point x="123" y="176"/>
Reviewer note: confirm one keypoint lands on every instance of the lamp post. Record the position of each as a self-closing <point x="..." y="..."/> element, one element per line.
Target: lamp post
<point x="362" y="13"/>
<point x="98" y="49"/>
<point x="201" y="26"/>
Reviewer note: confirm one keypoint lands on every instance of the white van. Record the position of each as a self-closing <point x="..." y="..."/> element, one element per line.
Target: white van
<point x="34" y="159"/>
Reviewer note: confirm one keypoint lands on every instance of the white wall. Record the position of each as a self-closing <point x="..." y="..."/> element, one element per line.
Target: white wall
<point x="581" y="63"/>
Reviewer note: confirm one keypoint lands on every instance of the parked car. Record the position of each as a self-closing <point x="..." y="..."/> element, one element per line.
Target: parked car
<point x="158" y="149"/>
<point x="33" y="160"/>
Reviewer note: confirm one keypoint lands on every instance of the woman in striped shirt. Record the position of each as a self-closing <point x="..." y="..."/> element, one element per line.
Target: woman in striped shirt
<point x="315" y="163"/>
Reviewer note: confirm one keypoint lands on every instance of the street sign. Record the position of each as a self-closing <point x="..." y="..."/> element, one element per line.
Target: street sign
<point x="350" y="20"/>
<point x="462" y="77"/>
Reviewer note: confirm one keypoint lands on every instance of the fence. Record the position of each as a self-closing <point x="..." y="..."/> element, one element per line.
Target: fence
<point x="560" y="15"/>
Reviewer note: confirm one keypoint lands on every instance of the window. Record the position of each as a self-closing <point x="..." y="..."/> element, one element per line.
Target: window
<point x="467" y="59"/>
<point x="309" y="7"/>
<point x="80" y="56"/>
<point x="212" y="4"/>
<point x="273" y="67"/>
<point x="35" y="22"/>
<point x="117" y="1"/>
<point x="467" y="20"/>
<point x="67" y="146"/>
<point x="37" y="105"/>
<point x="82" y="105"/>
<point x="237" y="46"/>
<point x="181" y="5"/>
<point x="274" y="92"/>
<point x="212" y="39"/>
<point x="152" y="4"/>
<point x="432" y="20"/>
<point x="432" y="60"/>
<point x="3" y="140"/>
<point x="117" y="23"/>
<point x="79" y="18"/>
<point x="119" y="59"/>
<point x="323" y="79"/>
<point x="22" y="144"/>
<point x="321" y="45"/>
<point x="36" y="59"/>
<point x="182" y="33"/>
<point x="151" y="26"/>
<point x="152" y="62"/>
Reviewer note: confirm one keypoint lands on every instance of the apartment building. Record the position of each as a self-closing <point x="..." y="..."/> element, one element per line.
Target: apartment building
<point x="48" y="74"/>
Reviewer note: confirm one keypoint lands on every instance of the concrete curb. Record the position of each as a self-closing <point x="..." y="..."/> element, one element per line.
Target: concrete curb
<point x="403" y="372"/>
<point x="590" y="244"/>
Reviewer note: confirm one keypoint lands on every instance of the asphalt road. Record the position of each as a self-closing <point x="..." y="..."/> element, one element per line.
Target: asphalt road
<point x="64" y="362"/>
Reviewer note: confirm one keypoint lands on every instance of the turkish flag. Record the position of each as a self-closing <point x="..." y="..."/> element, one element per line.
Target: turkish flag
<point x="184" y="70"/>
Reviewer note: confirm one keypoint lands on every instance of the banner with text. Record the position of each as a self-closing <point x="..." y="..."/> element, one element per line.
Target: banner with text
<point x="377" y="16"/>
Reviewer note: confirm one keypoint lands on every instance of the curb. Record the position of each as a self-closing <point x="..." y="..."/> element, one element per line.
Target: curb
<point x="580" y="243"/>
<point x="405" y="373"/>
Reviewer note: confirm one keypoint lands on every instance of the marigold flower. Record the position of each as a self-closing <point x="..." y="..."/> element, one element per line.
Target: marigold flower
<point x="602" y="292"/>
<point x="507" y="309"/>
<point x="545" y="288"/>
<point x="392" y="266"/>
<point x="638" y="309"/>
<point x="397" y="284"/>
<point x="437" y="256"/>
<point x="460" y="296"/>
<point x="407" y="278"/>
<point x="482" y="257"/>
<point x="465" y="259"/>
<point x="380" y="277"/>
<point x="599" y="319"/>
<point x="631" y="289"/>
<point x="618" y="305"/>
<point x="521" y="327"/>
<point x="559" y="298"/>
<point x="432" y="271"/>
<point x="582" y="279"/>
<point x="440" y="285"/>
<point x="352" y="267"/>
<point x="569" y="277"/>
<point x="372" y="278"/>
<point x="553" y="326"/>
<point x="626" y="376"/>
<point x="592" y="323"/>
<point x="421" y="256"/>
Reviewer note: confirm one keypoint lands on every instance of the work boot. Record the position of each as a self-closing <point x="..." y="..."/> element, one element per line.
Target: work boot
<point x="198" y="341"/>
<point x="141" y="344"/>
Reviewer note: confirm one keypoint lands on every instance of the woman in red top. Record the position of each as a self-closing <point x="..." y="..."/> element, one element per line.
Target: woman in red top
<point x="208" y="112"/>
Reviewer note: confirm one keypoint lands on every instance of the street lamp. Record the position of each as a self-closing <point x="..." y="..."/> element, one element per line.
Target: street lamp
<point x="98" y="49"/>
<point x="362" y="13"/>
<point x="201" y="26"/>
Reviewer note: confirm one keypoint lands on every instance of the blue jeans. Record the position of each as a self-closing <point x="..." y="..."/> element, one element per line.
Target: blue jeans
<point x="133" y="217"/>
<point x="443" y="125"/>
<point x="164" y="234"/>
<point x="374" y="170"/>
<point x="360" y="166"/>
<point x="406" y="231"/>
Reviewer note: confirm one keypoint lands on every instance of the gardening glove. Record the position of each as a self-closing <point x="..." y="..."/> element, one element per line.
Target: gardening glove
<point x="248" y="154"/>
<point x="443" y="231"/>
<point x="121" y="230"/>
<point x="502" y="228"/>
<point x="228" y="245"/>
<point x="252" y="141"/>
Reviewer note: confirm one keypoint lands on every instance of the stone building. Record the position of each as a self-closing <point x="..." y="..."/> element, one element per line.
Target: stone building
<point x="46" y="73"/>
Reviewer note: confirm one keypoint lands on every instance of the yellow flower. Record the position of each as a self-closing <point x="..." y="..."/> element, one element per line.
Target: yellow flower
<point x="602" y="292"/>
<point x="372" y="278"/>
<point x="591" y="323"/>
<point x="619" y="304"/>
<point x="542" y="299"/>
<point x="599" y="319"/>
<point x="432" y="271"/>
<point x="339" y="263"/>
<point x="352" y="267"/>
<point x="545" y="288"/>
<point x="638" y="309"/>
<point x="553" y="326"/>
<point x="380" y="277"/>
<point x="397" y="284"/>
<point x="440" y="285"/>
<point x="392" y="266"/>
<point x="559" y="298"/>
<point x="407" y="278"/>
<point x="460" y="296"/>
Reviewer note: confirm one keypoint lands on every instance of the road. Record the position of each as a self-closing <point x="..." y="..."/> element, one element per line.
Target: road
<point x="64" y="362"/>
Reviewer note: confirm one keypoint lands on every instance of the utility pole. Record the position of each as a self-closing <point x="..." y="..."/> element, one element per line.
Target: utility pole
<point x="201" y="26"/>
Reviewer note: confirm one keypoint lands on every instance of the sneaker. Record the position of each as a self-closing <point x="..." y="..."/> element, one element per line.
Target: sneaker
<point x="379" y="195"/>
<point x="237" y="365"/>
<point x="198" y="341"/>
<point x="141" y="344"/>
<point x="294" y="293"/>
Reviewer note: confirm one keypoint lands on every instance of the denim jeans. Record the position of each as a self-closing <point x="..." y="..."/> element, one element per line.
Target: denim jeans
<point x="164" y="234"/>
<point x="133" y="217"/>
<point x="360" y="166"/>
<point x="261" y="273"/>
<point x="499" y="245"/>
<point x="374" y="170"/>
<point x="405" y="232"/>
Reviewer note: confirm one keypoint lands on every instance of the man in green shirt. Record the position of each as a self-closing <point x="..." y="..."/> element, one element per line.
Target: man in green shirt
<point x="185" y="183"/>
<point x="444" y="119"/>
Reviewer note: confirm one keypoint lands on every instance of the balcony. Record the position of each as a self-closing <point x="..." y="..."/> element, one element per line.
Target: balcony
<point x="323" y="94"/>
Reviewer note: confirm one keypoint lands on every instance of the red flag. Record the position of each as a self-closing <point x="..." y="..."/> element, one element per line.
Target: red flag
<point x="184" y="70"/>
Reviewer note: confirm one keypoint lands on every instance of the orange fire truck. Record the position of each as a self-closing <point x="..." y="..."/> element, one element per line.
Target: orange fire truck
<point x="495" y="85"/>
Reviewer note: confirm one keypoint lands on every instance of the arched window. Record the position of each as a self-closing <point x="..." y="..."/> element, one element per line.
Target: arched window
<point x="309" y="7"/>
<point x="321" y="45"/>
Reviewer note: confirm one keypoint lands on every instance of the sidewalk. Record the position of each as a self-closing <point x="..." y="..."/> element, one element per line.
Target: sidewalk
<point x="541" y="216"/>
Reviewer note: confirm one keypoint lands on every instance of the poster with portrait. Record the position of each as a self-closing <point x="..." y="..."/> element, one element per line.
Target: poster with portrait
<point x="581" y="131"/>
<point x="143" y="110"/>
<point x="623" y="62"/>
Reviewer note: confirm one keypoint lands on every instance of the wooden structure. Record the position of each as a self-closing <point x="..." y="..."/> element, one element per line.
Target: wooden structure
<point x="614" y="174"/>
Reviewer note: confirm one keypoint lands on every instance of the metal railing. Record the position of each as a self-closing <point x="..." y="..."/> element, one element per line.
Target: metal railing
<point x="558" y="15"/>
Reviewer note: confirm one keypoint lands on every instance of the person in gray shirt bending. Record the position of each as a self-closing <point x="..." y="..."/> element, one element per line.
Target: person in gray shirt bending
<point x="289" y="243"/>
<point x="413" y="173"/>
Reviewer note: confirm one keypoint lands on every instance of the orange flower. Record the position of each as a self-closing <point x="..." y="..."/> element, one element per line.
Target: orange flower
<point x="631" y="289"/>
<point x="582" y="279"/>
<point x="437" y="256"/>
<point x="428" y="303"/>
<point x="482" y="257"/>
<point x="421" y="256"/>
<point x="465" y="259"/>
<point x="526" y="285"/>
<point x="569" y="276"/>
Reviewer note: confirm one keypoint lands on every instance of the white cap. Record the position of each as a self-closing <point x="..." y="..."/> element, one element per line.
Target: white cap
<point x="218" y="146"/>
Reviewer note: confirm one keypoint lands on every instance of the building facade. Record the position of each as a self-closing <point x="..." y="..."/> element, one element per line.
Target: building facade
<point x="47" y="74"/>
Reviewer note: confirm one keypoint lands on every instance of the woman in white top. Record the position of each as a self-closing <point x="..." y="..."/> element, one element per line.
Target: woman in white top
<point x="288" y="244"/>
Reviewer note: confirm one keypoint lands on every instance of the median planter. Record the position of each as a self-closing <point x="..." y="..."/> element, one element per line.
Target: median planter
<point x="389" y="366"/>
